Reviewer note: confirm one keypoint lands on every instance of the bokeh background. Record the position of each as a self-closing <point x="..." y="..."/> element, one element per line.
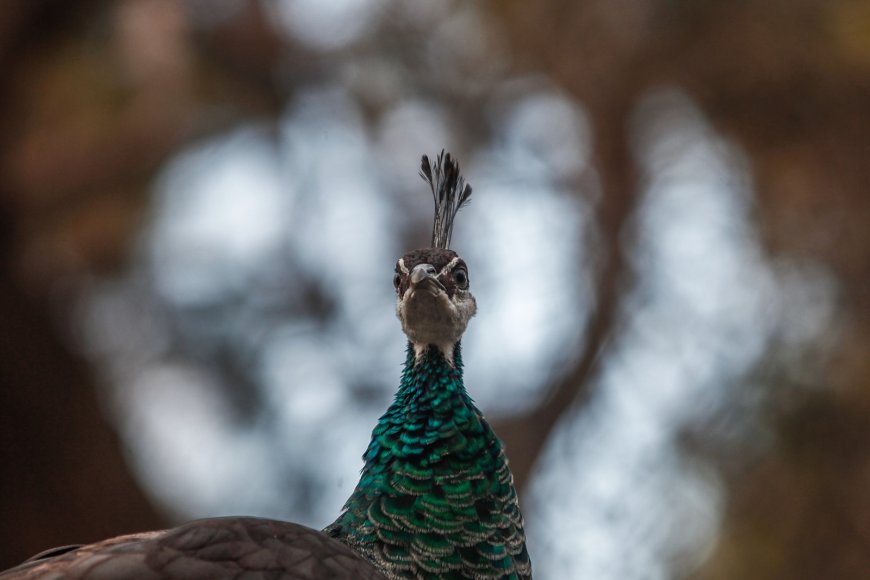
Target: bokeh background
<point x="201" y="203"/>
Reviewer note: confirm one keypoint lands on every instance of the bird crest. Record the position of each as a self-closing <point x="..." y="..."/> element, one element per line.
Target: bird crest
<point x="450" y="193"/>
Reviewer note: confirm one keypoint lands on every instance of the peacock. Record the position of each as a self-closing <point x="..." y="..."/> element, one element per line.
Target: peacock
<point x="435" y="498"/>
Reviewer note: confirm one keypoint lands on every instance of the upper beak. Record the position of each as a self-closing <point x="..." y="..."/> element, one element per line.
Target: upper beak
<point x="425" y="275"/>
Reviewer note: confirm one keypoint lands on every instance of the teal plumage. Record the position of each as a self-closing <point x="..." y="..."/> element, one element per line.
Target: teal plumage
<point x="436" y="497"/>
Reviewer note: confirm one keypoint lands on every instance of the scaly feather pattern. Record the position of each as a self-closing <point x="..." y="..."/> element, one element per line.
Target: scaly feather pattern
<point x="435" y="498"/>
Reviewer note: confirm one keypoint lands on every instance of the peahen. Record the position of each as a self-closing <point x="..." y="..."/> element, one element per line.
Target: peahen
<point x="435" y="498"/>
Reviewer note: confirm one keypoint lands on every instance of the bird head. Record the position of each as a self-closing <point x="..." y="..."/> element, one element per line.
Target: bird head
<point x="433" y="300"/>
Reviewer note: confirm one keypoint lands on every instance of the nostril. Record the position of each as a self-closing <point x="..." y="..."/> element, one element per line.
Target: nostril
<point x="430" y="269"/>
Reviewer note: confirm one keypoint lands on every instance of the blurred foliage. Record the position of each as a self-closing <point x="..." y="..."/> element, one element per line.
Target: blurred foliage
<point x="99" y="95"/>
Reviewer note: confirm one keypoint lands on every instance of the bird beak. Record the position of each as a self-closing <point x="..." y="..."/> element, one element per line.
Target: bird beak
<point x="424" y="277"/>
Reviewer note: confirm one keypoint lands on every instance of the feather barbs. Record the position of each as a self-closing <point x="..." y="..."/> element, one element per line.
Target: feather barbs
<point x="450" y="193"/>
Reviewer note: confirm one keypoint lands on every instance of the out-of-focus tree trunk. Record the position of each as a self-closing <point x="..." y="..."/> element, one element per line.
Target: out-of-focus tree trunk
<point x="64" y="478"/>
<point x="96" y="95"/>
<point x="63" y="475"/>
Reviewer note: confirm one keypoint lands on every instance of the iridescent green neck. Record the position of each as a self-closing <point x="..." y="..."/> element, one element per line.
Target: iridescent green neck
<point x="435" y="498"/>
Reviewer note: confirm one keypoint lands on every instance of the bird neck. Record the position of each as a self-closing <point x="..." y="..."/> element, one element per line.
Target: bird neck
<point x="435" y="494"/>
<point x="431" y="369"/>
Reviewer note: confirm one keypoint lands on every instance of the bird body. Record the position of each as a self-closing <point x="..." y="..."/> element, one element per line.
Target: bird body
<point x="435" y="498"/>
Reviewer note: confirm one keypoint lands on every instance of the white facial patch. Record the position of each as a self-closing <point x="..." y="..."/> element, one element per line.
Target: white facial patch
<point x="430" y="317"/>
<point x="449" y="267"/>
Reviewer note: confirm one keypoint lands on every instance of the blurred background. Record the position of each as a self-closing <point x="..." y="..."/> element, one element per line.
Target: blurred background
<point x="201" y="203"/>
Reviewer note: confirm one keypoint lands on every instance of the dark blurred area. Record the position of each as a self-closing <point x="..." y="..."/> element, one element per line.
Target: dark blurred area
<point x="100" y="97"/>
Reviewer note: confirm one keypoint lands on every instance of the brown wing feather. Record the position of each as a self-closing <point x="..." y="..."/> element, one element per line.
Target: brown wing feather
<point x="217" y="548"/>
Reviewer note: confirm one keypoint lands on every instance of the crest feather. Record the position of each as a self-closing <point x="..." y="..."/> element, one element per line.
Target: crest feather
<point x="450" y="193"/>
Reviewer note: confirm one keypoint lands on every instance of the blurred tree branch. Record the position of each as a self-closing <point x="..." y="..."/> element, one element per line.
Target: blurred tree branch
<point x="608" y="82"/>
<point x="526" y="434"/>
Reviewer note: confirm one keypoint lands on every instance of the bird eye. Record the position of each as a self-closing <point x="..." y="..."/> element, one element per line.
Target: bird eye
<point x="461" y="278"/>
<point x="397" y="279"/>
